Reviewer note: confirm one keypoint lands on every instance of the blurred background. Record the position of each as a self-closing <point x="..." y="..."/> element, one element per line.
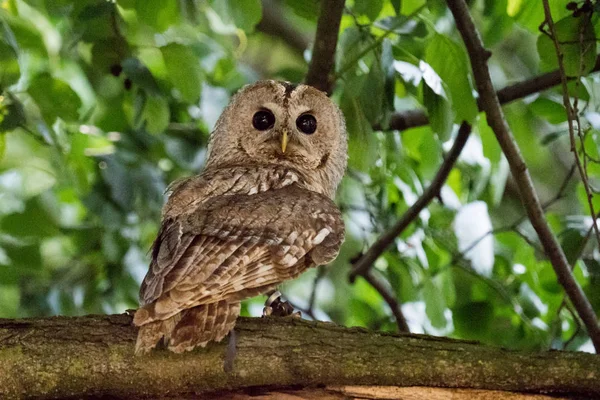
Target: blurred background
<point x="104" y="103"/>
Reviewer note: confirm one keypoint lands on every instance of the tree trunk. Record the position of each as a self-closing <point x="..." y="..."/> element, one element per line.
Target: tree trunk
<point x="282" y="358"/>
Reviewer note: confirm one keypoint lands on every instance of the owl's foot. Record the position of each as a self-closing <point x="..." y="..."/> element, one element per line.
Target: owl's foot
<point x="277" y="307"/>
<point x="231" y="352"/>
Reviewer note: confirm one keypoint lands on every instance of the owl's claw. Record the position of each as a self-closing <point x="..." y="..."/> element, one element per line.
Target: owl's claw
<point x="275" y="306"/>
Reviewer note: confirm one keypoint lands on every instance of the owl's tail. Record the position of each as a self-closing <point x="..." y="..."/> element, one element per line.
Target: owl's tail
<point x="190" y="328"/>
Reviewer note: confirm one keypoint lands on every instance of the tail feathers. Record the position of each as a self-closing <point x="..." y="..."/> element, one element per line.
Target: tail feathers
<point x="191" y="328"/>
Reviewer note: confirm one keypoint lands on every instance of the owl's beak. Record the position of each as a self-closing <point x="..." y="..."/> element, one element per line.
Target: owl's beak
<point x="284" y="140"/>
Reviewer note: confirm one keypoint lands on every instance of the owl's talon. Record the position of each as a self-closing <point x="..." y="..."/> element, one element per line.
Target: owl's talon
<point x="267" y="310"/>
<point x="273" y="297"/>
<point x="276" y="307"/>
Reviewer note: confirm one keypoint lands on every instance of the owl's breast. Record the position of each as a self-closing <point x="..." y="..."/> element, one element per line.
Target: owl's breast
<point x="190" y="193"/>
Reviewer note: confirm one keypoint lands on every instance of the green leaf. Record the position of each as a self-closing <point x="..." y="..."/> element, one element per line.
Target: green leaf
<point x="473" y="319"/>
<point x="35" y="222"/>
<point x="54" y="98"/>
<point x="410" y="6"/>
<point x="156" y="114"/>
<point x="550" y="110"/>
<point x="308" y="9"/>
<point x="10" y="298"/>
<point x="140" y="75"/>
<point x="95" y="22"/>
<point x="159" y="14"/>
<point x="454" y="73"/>
<point x="573" y="241"/>
<point x="435" y="304"/>
<point x="370" y="8"/>
<point x="491" y="148"/>
<point x="9" y="65"/>
<point x="577" y="42"/>
<point x="552" y="136"/>
<point x="397" y="4"/>
<point x="440" y="112"/>
<point x="362" y="144"/>
<point x="2" y="145"/>
<point x="243" y="14"/>
<point x="24" y="33"/>
<point x="12" y="113"/>
<point x="184" y="70"/>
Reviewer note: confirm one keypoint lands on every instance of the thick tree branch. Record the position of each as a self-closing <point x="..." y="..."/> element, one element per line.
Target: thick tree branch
<point x="323" y="55"/>
<point x="495" y="117"/>
<point x="413" y="118"/>
<point x="274" y="23"/>
<point x="92" y="357"/>
<point x="364" y="263"/>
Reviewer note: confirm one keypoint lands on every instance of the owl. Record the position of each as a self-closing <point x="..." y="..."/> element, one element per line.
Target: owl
<point x="260" y="213"/>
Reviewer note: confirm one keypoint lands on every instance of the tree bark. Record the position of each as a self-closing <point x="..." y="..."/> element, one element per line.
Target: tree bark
<point x="92" y="356"/>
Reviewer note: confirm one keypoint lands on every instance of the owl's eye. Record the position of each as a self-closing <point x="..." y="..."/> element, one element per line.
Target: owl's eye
<point x="263" y="120"/>
<point x="307" y="123"/>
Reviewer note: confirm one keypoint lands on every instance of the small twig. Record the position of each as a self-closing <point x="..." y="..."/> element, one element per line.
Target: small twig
<point x="495" y="117"/>
<point x="364" y="263"/>
<point x="323" y="56"/>
<point x="413" y="118"/>
<point x="390" y="299"/>
<point x="313" y="294"/>
<point x="572" y="115"/>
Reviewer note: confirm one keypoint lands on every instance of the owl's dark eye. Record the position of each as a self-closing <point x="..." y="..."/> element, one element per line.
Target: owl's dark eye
<point x="307" y="123"/>
<point x="263" y="120"/>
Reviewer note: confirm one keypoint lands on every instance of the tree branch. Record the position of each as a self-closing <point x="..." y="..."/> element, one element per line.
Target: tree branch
<point x="495" y="117"/>
<point x="364" y="263"/>
<point x="93" y="357"/>
<point x="413" y="118"/>
<point x="323" y="55"/>
<point x="389" y="299"/>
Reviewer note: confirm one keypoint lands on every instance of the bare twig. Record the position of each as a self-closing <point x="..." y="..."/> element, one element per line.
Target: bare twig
<point x="572" y="115"/>
<point x="326" y="38"/>
<point x="390" y="299"/>
<point x="313" y="294"/>
<point x="413" y="118"/>
<point x="362" y="265"/>
<point x="495" y="117"/>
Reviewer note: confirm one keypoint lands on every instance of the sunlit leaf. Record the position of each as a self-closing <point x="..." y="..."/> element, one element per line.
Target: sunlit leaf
<point x="55" y="98"/>
<point x="184" y="70"/>
<point x="454" y="74"/>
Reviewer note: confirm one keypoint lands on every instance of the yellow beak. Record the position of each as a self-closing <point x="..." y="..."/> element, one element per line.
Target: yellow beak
<point x="284" y="140"/>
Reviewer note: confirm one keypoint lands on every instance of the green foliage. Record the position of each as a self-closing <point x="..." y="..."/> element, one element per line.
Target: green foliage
<point x="103" y="104"/>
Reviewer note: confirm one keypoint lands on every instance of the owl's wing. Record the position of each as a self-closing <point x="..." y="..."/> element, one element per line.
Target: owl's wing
<point x="236" y="247"/>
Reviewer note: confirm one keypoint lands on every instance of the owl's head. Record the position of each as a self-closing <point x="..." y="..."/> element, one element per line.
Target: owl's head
<point x="273" y="122"/>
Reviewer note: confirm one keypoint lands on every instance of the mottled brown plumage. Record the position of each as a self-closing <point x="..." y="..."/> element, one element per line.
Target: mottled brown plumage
<point x="260" y="213"/>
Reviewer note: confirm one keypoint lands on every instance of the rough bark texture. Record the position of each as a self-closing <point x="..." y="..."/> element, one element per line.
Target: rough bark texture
<point x="93" y="356"/>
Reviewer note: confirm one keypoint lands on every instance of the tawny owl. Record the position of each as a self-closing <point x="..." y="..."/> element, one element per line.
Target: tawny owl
<point x="260" y="213"/>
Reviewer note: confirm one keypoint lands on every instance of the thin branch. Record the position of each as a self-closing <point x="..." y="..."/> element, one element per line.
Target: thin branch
<point x="495" y="117"/>
<point x="572" y="115"/>
<point x="364" y="263"/>
<point x="414" y="118"/>
<point x="313" y="294"/>
<point x="389" y="299"/>
<point x="323" y="56"/>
